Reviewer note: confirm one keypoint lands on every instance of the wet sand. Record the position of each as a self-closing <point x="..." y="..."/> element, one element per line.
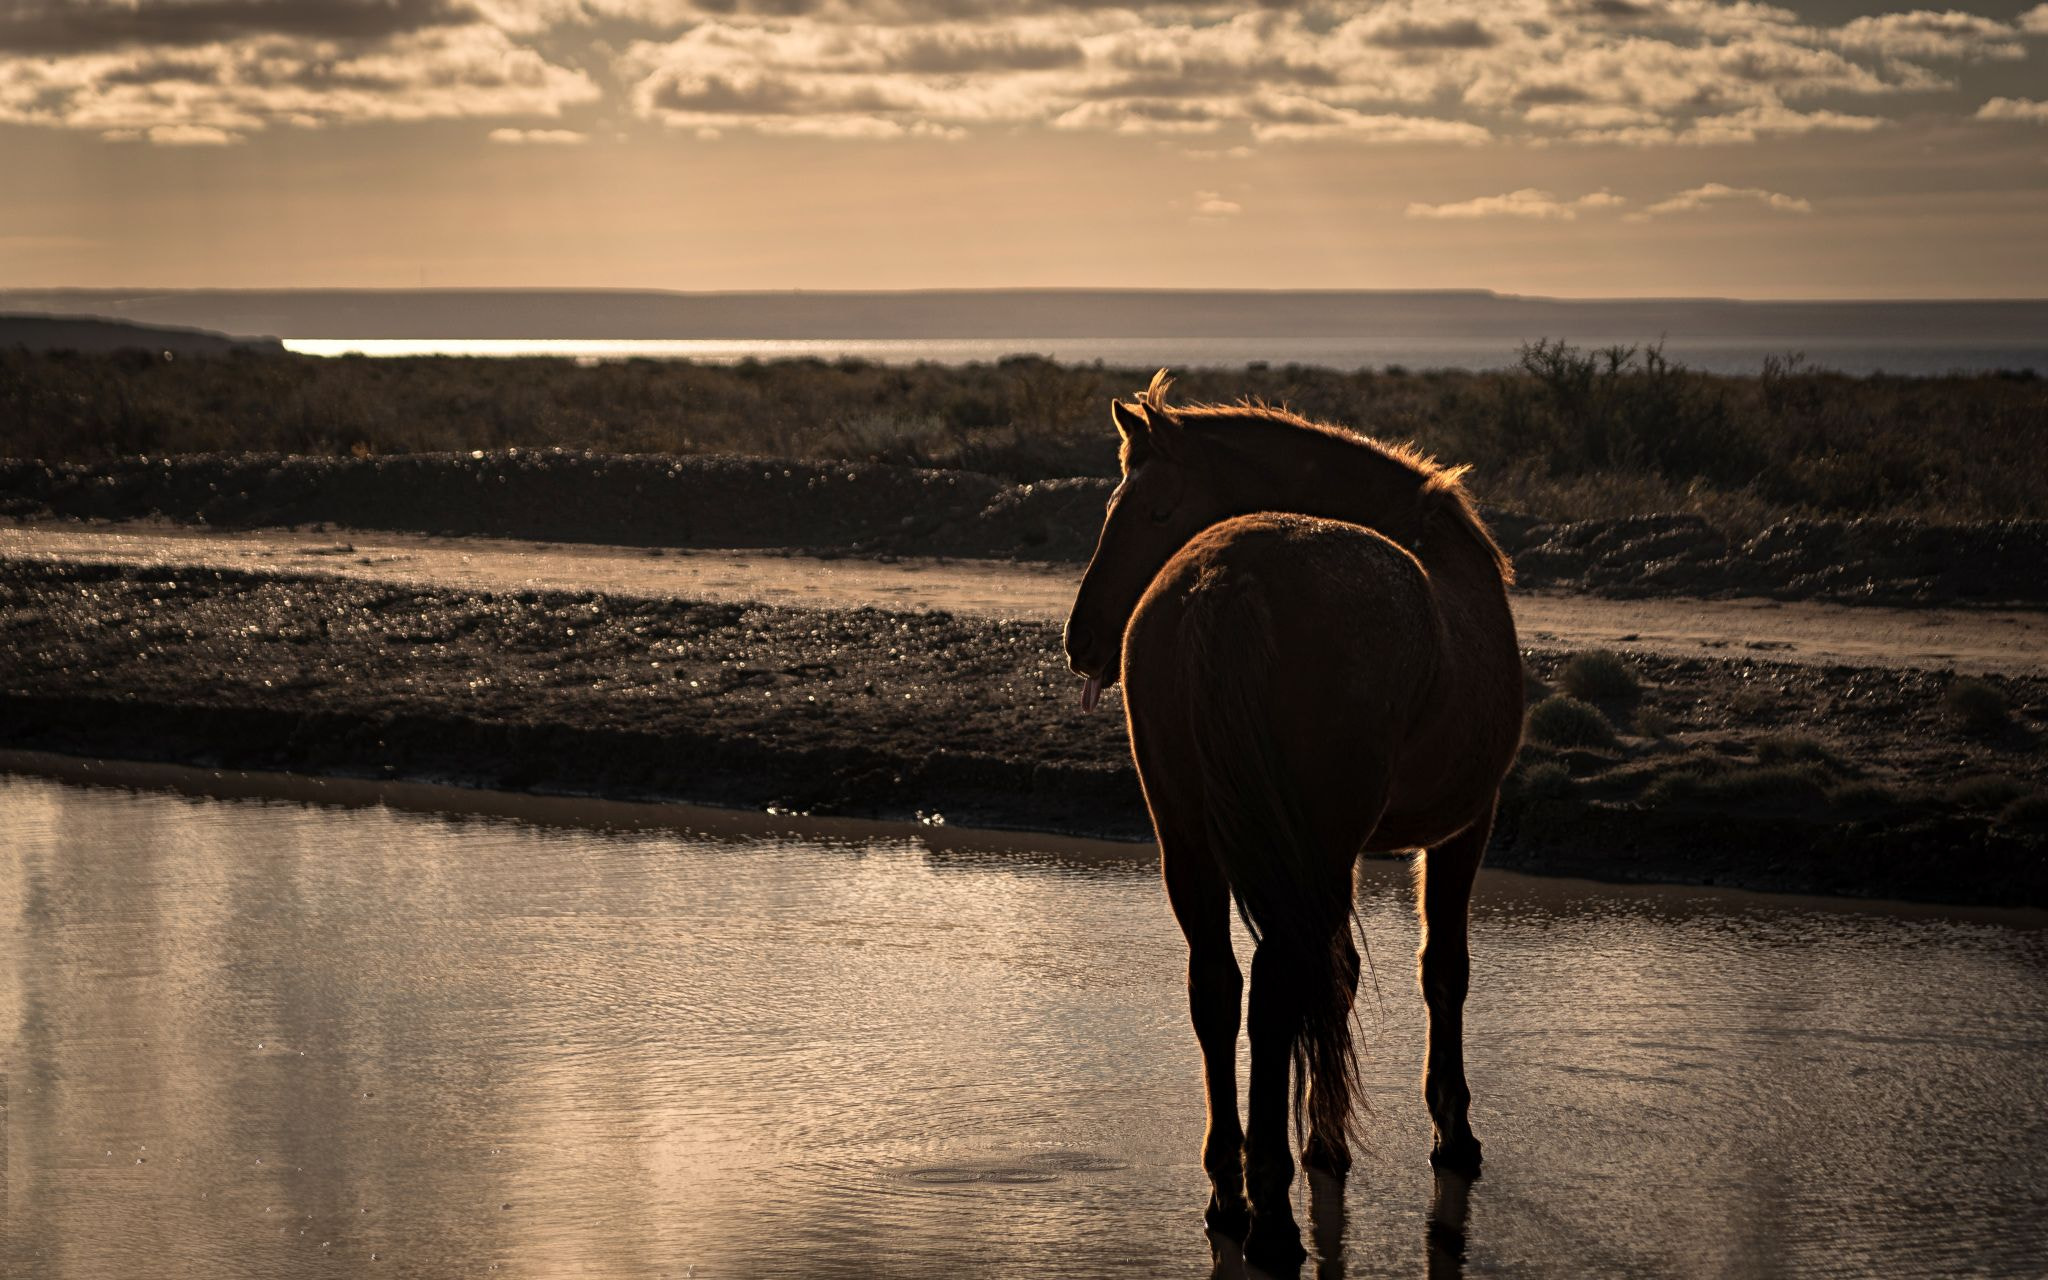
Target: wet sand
<point x="2003" y="641"/>
<point x="260" y="1037"/>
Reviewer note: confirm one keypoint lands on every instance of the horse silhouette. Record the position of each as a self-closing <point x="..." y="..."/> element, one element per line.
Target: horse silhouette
<point x="1313" y="635"/>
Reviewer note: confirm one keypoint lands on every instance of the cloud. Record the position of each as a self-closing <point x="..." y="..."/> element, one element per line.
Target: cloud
<point x="2014" y="109"/>
<point x="1751" y="123"/>
<point x="539" y="137"/>
<point x="1458" y="33"/>
<point x="74" y="26"/>
<point x="1926" y="34"/>
<point x="175" y="135"/>
<point x="1210" y="206"/>
<point x="1529" y="202"/>
<point x="1713" y="193"/>
<point x="1252" y="73"/>
<point x="1442" y="71"/>
<point x="1353" y="126"/>
<point x="245" y="86"/>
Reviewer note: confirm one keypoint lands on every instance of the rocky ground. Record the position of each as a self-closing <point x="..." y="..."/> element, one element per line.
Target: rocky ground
<point x="726" y="502"/>
<point x="1894" y="783"/>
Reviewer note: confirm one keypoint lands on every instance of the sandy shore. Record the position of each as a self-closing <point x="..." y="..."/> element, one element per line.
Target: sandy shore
<point x="150" y="648"/>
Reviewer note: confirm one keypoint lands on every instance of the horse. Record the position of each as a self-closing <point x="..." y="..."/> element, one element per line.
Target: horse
<point x="1318" y="660"/>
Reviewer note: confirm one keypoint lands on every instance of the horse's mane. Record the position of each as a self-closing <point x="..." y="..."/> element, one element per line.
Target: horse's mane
<point x="1440" y="490"/>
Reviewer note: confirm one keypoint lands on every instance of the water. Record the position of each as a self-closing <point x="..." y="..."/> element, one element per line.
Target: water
<point x="1713" y="355"/>
<point x="256" y="1036"/>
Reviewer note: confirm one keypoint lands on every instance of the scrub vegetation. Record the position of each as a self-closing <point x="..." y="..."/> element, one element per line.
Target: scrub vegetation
<point x="1569" y="434"/>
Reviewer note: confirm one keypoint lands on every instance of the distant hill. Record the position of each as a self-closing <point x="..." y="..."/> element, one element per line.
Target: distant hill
<point x="1043" y="313"/>
<point x="42" y="332"/>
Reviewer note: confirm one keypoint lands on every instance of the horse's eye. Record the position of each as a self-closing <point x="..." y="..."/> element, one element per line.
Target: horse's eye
<point x="1161" y="515"/>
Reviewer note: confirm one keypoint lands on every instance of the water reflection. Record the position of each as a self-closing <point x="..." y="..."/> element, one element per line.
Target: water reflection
<point x="259" y="1037"/>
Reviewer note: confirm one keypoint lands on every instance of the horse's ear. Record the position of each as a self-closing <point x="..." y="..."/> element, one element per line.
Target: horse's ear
<point x="1131" y="422"/>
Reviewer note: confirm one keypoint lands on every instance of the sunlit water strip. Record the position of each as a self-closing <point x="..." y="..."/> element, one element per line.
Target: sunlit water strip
<point x="1733" y="356"/>
<point x="265" y="1037"/>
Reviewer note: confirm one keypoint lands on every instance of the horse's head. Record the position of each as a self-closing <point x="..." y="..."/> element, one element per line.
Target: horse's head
<point x="1163" y="501"/>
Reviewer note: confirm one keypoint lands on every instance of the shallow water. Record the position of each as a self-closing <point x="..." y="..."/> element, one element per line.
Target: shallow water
<point x="262" y="1037"/>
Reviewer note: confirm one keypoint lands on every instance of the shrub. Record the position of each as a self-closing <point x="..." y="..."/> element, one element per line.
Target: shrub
<point x="1863" y="797"/>
<point x="1565" y="721"/>
<point x="1655" y="724"/>
<point x="1545" y="780"/>
<point x="1976" y="706"/>
<point x="1778" y="787"/>
<point x="1792" y="748"/>
<point x="1750" y="703"/>
<point x="2029" y="812"/>
<point x="1600" y="676"/>
<point x="1984" y="793"/>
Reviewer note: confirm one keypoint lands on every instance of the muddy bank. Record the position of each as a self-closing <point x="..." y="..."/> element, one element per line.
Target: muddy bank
<point x="1832" y="780"/>
<point x="877" y="509"/>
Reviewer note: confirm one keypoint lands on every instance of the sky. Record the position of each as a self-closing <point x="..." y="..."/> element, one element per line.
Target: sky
<point x="1570" y="148"/>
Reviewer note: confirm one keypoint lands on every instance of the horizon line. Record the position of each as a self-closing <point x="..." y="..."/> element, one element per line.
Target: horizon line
<point x="998" y="290"/>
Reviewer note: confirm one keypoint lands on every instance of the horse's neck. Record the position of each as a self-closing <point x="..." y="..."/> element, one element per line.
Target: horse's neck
<point x="1359" y="485"/>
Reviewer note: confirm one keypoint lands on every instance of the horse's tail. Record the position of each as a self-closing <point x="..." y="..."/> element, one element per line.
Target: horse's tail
<point x="1294" y="896"/>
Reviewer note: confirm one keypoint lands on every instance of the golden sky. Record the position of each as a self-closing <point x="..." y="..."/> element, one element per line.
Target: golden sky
<point x="1566" y="147"/>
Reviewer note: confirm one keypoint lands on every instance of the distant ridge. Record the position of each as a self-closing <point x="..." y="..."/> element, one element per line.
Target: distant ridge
<point x="44" y="332"/>
<point x="1039" y="313"/>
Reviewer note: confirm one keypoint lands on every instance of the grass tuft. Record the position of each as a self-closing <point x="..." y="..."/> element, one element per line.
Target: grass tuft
<point x="1976" y="706"/>
<point x="1986" y="793"/>
<point x="2029" y="812"/>
<point x="1792" y="748"/>
<point x="1600" y="676"/>
<point x="1565" y="721"/>
<point x="1545" y="780"/>
<point x="1863" y="798"/>
<point x="1777" y="788"/>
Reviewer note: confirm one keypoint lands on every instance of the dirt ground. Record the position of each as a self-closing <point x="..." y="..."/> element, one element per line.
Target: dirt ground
<point x="1727" y="768"/>
<point x="1973" y="641"/>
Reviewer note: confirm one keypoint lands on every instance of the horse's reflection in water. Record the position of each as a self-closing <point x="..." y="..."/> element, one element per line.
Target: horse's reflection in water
<point x="1443" y="1236"/>
<point x="1443" y="1240"/>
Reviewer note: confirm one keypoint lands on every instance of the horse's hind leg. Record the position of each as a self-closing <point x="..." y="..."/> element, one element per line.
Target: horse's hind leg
<point x="1445" y="898"/>
<point x="1276" y="1013"/>
<point x="1201" y="902"/>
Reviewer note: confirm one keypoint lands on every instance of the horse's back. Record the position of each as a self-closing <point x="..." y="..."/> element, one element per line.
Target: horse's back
<point x="1325" y="595"/>
<point x="1333" y="639"/>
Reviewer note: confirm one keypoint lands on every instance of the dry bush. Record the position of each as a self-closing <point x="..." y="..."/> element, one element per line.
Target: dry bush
<point x="1976" y="706"/>
<point x="1565" y="721"/>
<point x="1986" y="793"/>
<point x="1600" y="676"/>
<point x="2029" y="812"/>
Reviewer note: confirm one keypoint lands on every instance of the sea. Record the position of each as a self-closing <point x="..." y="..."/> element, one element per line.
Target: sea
<point x="1861" y="356"/>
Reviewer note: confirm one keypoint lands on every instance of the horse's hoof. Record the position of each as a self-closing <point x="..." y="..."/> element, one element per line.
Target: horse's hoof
<point x="1459" y="1156"/>
<point x="1326" y="1156"/>
<point x="1232" y="1222"/>
<point x="1275" y="1247"/>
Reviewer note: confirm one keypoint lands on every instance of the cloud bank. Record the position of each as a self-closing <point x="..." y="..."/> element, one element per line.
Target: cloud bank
<point x="1629" y="73"/>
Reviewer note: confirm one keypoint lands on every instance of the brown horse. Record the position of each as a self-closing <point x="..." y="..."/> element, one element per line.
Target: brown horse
<point x="1318" y="660"/>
